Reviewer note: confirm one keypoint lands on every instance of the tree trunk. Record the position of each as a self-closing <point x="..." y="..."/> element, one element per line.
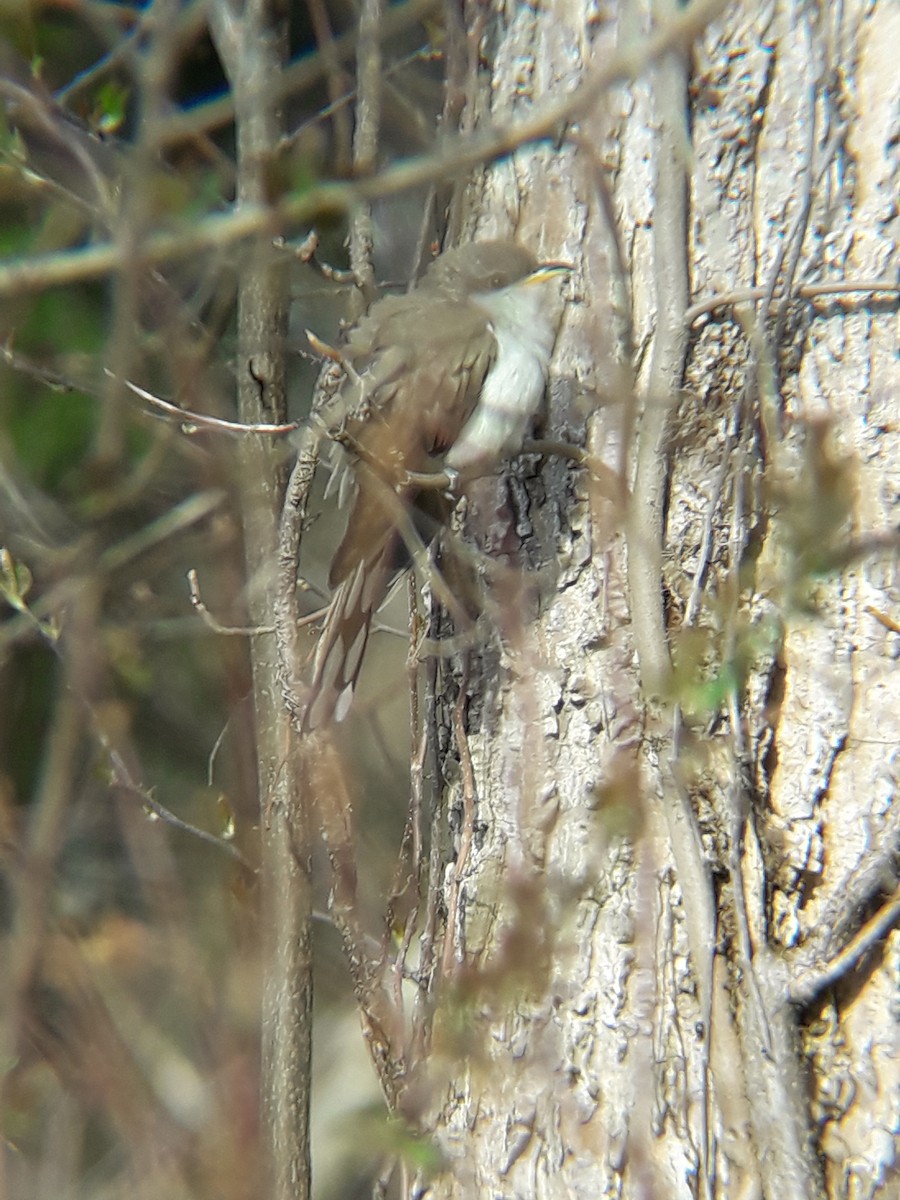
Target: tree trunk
<point x="668" y="969"/>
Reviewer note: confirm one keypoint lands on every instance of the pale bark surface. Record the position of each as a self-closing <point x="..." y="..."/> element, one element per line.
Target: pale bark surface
<point x="628" y="938"/>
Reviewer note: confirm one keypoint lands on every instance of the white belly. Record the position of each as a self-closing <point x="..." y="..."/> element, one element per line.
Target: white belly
<point x="510" y="397"/>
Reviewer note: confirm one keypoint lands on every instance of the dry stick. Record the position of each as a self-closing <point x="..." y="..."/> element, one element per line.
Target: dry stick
<point x="775" y="1089"/>
<point x="182" y="516"/>
<point x="441" y="480"/>
<point x="812" y="982"/>
<point x="325" y="779"/>
<point x="188" y="24"/>
<point x="766" y="1025"/>
<point x="33" y="111"/>
<point x="31" y="876"/>
<point x="365" y="142"/>
<point x="381" y="1020"/>
<point x="189" y="418"/>
<point x="39" y="620"/>
<point x="251" y="42"/>
<point x="123" y="779"/>
<point x="644" y="526"/>
<point x="203" y="421"/>
<point x="131" y="223"/>
<point x="815" y="964"/>
<point x="770" y="416"/>
<point x="883" y="619"/>
<point x="805" y="291"/>
<point x="704" y="554"/>
<point x="416" y="745"/>
<point x="457" y="155"/>
<point x="292" y="522"/>
<point x="407" y="873"/>
<point x="210" y="621"/>
<point x="797" y="234"/>
<point x="615" y="481"/>
<point x="416" y="816"/>
<point x="335" y="81"/>
<point x="348" y="97"/>
<point x="298" y="76"/>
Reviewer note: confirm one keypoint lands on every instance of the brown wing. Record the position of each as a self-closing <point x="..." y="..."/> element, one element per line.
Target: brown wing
<point x="411" y="406"/>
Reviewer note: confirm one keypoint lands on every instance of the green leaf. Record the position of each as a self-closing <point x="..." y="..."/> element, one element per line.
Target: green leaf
<point x="110" y="107"/>
<point x="15" y="580"/>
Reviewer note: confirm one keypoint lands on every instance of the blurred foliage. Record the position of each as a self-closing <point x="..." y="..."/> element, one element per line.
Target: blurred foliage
<point x="130" y="1018"/>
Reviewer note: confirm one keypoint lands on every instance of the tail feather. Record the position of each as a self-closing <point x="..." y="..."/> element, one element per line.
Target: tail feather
<point x="342" y="643"/>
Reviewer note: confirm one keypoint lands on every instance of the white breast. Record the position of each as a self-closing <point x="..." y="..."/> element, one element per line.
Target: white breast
<point x="514" y="385"/>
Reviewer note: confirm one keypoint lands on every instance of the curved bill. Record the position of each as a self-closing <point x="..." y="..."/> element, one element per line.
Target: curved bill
<point x="549" y="270"/>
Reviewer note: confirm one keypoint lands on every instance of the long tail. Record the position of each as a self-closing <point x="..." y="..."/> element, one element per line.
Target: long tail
<point x="342" y="643"/>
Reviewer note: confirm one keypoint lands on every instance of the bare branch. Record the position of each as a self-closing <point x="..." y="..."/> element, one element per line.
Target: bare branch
<point x="458" y="155"/>
<point x="814" y="981"/>
<point x="189" y="420"/>
<point x="251" y="39"/>
<point x="123" y="780"/>
<point x="805" y="291"/>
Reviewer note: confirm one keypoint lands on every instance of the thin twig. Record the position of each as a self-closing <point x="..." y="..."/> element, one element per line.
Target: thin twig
<point x="814" y="981"/>
<point x="123" y="780"/>
<point x="298" y="76"/>
<point x="210" y="621"/>
<point x="188" y="419"/>
<point x="457" y="155"/>
<point x="290" y="532"/>
<point x="365" y="142"/>
<point x="806" y="291"/>
<point x="645" y="516"/>
<point x="335" y="81"/>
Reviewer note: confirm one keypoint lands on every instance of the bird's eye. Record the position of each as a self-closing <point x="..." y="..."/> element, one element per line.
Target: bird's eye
<point x="497" y="281"/>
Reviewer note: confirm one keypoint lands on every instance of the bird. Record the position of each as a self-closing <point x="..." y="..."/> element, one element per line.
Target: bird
<point x="441" y="381"/>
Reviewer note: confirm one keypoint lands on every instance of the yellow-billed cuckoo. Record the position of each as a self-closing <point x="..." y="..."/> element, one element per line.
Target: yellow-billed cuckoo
<point x="446" y="378"/>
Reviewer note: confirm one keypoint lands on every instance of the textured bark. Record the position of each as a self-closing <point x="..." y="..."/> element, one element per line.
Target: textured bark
<point x="252" y="42"/>
<point x="670" y="789"/>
